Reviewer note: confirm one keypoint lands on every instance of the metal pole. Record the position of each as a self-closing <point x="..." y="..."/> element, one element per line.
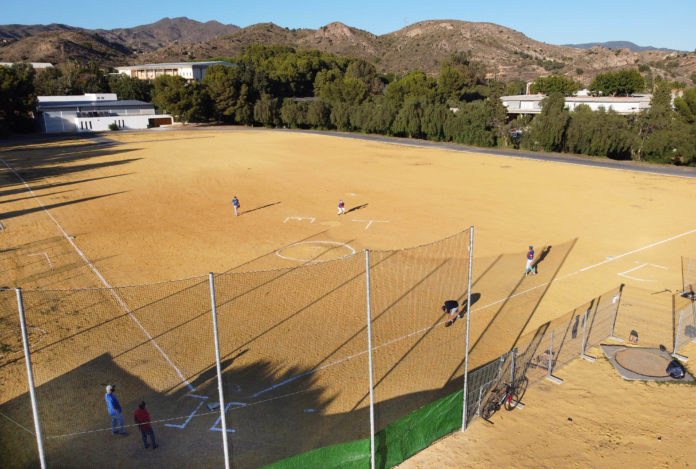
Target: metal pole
<point x="369" y="360"/>
<point x="549" y="364"/>
<point x="617" y="302"/>
<point x="466" y="341"/>
<point x="223" y="421"/>
<point x="30" y="379"/>
<point x="585" y="338"/>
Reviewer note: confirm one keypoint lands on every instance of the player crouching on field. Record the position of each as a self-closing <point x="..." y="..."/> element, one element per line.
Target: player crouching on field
<point x="451" y="307"/>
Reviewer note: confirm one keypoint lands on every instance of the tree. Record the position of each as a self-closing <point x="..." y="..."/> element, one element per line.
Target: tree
<point x="621" y="83"/>
<point x="555" y="84"/>
<point x="547" y="130"/>
<point x="185" y="101"/>
<point x="293" y="113"/>
<point x="127" y="87"/>
<point x="414" y="85"/>
<point x="685" y="106"/>
<point x="266" y="110"/>
<point x="409" y="119"/>
<point x="223" y="86"/>
<point x="16" y="97"/>
<point x="318" y="114"/>
<point x="598" y="133"/>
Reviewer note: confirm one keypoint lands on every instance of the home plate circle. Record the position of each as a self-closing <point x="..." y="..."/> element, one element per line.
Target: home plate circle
<point x="642" y="362"/>
<point x="315" y="251"/>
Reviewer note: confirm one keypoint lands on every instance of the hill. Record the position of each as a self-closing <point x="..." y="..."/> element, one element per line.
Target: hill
<point x="506" y="53"/>
<point x="619" y="45"/>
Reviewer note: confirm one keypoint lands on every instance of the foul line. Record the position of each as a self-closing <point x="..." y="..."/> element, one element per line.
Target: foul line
<point x="99" y="275"/>
<point x="289" y="380"/>
<point x="17" y="423"/>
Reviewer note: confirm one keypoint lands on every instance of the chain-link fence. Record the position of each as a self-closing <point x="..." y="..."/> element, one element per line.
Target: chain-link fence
<point x="301" y="385"/>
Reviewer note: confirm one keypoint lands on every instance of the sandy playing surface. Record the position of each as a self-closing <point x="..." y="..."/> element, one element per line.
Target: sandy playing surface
<point x="157" y="207"/>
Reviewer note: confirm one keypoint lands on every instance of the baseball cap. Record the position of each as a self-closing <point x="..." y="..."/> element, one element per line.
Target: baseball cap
<point x="110" y="387"/>
<point x="531" y="247"/>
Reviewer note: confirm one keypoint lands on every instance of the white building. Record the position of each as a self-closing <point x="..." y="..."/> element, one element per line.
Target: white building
<point x="34" y="65"/>
<point x="187" y="70"/>
<point x="94" y="112"/>
<point x="531" y="103"/>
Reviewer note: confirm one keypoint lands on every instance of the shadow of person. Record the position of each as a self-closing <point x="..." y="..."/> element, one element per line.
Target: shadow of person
<point x="542" y="256"/>
<point x="356" y="208"/>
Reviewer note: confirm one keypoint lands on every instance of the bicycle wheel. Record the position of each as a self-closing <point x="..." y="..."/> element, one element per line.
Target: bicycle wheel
<point x="489" y="409"/>
<point x="516" y="393"/>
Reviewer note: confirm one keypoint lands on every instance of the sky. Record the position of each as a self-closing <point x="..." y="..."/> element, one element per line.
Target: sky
<point x="668" y="23"/>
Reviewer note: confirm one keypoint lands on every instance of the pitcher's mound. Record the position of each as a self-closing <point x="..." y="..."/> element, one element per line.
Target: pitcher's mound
<point x="644" y="362"/>
<point x="641" y="363"/>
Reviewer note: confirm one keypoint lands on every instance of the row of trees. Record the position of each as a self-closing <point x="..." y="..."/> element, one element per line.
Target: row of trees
<point x="663" y="133"/>
<point x="279" y="86"/>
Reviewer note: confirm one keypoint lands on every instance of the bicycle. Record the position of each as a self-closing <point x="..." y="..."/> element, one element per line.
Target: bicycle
<point x="508" y="395"/>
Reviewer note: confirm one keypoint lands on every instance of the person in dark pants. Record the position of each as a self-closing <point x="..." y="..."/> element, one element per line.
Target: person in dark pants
<point x="451" y="307"/>
<point x="142" y="418"/>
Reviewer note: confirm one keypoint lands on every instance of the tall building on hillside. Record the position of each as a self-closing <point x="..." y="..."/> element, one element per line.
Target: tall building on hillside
<point x="188" y="70"/>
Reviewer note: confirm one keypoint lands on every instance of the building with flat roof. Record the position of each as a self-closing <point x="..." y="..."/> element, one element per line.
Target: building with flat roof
<point x="94" y="112"/>
<point x="34" y="65"/>
<point x="531" y="103"/>
<point x="188" y="70"/>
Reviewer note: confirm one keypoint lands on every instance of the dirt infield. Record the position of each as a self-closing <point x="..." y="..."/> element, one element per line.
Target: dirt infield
<point x="155" y="206"/>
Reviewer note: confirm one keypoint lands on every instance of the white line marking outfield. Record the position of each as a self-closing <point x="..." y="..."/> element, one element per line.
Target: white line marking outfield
<point x="43" y="254"/>
<point x="187" y="420"/>
<point x="278" y="252"/>
<point x="289" y="380"/>
<point x="370" y="222"/>
<point x="99" y="275"/>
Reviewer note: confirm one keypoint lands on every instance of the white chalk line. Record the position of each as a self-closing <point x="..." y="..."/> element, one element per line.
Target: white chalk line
<point x="17" y="423"/>
<point x="289" y="380"/>
<point x="99" y="275"/>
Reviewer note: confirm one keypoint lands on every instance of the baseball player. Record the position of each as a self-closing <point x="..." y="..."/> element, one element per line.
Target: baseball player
<point x="341" y="208"/>
<point x="451" y="307"/>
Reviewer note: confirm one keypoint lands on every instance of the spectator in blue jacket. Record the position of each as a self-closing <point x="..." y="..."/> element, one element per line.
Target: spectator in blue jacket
<point x="114" y="408"/>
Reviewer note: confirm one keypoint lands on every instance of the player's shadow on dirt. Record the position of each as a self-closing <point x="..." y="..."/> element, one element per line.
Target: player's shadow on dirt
<point x="356" y="208"/>
<point x="542" y="256"/>
<point x="243" y="212"/>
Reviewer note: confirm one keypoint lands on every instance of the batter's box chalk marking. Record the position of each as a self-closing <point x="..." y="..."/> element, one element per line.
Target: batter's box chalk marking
<point x="48" y="259"/>
<point x="311" y="219"/>
<point x="183" y="425"/>
<point x="370" y="222"/>
<point x="215" y="427"/>
<point x="624" y="274"/>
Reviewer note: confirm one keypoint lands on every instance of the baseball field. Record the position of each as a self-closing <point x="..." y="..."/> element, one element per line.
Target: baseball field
<point x="111" y="241"/>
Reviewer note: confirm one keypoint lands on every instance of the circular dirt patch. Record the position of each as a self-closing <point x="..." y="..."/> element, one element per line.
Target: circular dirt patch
<point x="11" y="341"/>
<point x="315" y="251"/>
<point x="643" y="362"/>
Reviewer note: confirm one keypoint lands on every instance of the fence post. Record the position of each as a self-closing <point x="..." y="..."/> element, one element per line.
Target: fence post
<point x="617" y="302"/>
<point x="221" y="396"/>
<point x="30" y="379"/>
<point x="584" y="337"/>
<point x="466" y="341"/>
<point x="549" y="363"/>
<point x="369" y="359"/>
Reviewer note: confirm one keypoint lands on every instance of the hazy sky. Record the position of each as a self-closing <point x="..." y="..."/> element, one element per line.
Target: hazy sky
<point x="669" y="23"/>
